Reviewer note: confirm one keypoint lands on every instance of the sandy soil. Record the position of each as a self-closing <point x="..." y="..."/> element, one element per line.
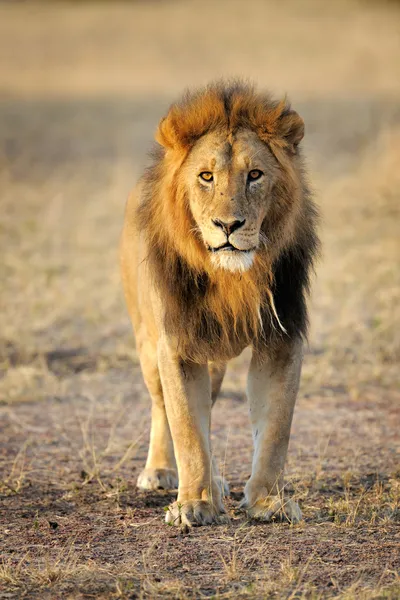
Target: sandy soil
<point x="82" y="86"/>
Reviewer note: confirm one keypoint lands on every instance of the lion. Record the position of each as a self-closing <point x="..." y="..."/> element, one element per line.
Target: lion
<point x="217" y="248"/>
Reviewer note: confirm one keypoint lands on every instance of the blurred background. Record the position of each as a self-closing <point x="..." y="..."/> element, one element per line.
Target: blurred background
<point x="82" y="87"/>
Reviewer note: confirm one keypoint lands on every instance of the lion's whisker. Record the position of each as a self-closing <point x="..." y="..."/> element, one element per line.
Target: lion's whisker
<point x="263" y="239"/>
<point x="272" y="305"/>
<point x="255" y="153"/>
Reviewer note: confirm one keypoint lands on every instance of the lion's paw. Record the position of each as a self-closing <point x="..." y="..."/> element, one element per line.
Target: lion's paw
<point x="194" y="513"/>
<point x="274" y="508"/>
<point x="158" y="479"/>
<point x="222" y="484"/>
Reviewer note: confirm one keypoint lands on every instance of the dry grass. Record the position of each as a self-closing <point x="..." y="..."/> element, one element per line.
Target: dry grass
<point x="82" y="86"/>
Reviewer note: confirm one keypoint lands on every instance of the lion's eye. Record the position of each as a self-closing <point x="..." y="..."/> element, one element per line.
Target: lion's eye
<point x="254" y="175"/>
<point x="206" y="176"/>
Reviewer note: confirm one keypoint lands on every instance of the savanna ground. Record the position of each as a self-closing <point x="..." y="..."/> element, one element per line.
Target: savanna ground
<point x="82" y="87"/>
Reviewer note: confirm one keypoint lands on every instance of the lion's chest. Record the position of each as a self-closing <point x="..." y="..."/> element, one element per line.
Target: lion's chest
<point x="208" y="334"/>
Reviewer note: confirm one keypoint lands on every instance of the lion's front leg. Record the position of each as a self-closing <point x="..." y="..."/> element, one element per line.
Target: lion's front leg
<point x="272" y="389"/>
<point x="187" y="395"/>
<point x="160" y="470"/>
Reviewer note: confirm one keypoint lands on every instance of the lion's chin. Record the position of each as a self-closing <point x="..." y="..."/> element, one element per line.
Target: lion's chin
<point x="236" y="262"/>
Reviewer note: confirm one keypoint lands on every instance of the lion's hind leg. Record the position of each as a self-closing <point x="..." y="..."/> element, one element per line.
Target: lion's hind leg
<point x="160" y="470"/>
<point x="217" y="372"/>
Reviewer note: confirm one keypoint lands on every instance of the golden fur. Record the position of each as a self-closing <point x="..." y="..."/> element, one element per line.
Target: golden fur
<point x="209" y="267"/>
<point x="204" y="306"/>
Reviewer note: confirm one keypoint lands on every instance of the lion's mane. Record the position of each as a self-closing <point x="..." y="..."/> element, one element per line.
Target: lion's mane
<point x="214" y="314"/>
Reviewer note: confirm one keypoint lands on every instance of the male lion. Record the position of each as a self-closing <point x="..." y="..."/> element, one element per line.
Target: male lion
<point x="216" y="250"/>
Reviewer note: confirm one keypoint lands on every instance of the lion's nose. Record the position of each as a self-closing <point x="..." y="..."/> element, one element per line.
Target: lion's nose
<point x="229" y="227"/>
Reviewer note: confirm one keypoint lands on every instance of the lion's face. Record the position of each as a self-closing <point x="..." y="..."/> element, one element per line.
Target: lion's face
<point x="229" y="183"/>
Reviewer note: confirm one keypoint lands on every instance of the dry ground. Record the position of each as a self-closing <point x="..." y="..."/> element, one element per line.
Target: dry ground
<point x="82" y="86"/>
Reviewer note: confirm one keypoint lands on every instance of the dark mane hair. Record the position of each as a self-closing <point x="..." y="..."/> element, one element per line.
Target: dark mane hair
<point x="215" y="314"/>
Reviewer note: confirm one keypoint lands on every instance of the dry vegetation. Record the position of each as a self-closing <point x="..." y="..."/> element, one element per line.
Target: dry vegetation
<point x="81" y="89"/>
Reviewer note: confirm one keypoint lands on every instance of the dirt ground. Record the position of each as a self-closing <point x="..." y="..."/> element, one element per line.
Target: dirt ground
<point x="82" y="86"/>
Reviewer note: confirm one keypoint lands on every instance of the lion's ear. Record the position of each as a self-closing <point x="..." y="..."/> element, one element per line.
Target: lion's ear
<point x="291" y="129"/>
<point x="169" y="135"/>
<point x="165" y="134"/>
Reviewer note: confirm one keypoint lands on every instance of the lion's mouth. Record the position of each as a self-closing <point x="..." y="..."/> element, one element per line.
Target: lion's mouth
<point x="228" y="247"/>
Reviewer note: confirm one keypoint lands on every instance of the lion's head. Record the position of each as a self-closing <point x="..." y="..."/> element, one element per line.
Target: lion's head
<point x="224" y="200"/>
<point x="229" y="150"/>
<point x="229" y="179"/>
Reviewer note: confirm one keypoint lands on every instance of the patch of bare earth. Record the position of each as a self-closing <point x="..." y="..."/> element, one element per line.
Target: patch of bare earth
<point x="82" y="86"/>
